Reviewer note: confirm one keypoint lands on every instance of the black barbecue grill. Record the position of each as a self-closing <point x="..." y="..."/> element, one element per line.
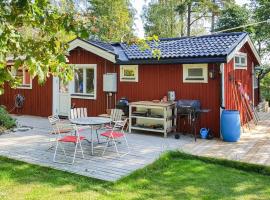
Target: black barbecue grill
<point x="190" y="110"/>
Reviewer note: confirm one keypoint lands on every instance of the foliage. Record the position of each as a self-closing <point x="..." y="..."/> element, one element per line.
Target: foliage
<point x="233" y="16"/>
<point x="180" y="18"/>
<point x="195" y="11"/>
<point x="265" y="86"/>
<point x="113" y="20"/>
<point x="261" y="10"/>
<point x="160" y="18"/>
<point x="173" y="176"/>
<point x="5" y="119"/>
<point x="34" y="35"/>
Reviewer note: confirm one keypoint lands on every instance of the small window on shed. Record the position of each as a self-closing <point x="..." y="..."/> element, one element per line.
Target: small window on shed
<point x="195" y="73"/>
<point x="23" y="76"/>
<point x="240" y="61"/>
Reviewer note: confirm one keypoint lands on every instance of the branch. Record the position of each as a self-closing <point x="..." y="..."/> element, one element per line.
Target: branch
<point x="200" y="17"/>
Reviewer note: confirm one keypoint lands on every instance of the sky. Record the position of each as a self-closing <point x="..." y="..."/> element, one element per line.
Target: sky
<point x="138" y="5"/>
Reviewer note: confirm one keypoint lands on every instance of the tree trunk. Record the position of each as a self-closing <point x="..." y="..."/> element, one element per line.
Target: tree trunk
<point x="213" y="19"/>
<point x="188" y="18"/>
<point x="182" y="24"/>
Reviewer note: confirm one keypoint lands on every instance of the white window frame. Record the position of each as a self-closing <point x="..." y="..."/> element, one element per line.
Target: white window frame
<point x="85" y="95"/>
<point x="204" y="67"/>
<point x="239" y="65"/>
<point x="22" y="86"/>
<point x="123" y="78"/>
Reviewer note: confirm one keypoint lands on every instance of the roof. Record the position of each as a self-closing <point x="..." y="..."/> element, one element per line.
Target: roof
<point x="208" y="48"/>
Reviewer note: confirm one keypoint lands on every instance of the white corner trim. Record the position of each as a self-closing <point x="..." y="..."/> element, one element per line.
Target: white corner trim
<point x="240" y="45"/>
<point x="222" y="85"/>
<point x="91" y="48"/>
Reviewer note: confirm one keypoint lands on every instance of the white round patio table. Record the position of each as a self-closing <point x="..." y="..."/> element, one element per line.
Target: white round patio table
<point x="91" y="122"/>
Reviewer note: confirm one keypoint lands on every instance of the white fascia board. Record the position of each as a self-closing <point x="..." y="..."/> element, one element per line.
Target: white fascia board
<point x="240" y="45"/>
<point x="91" y="48"/>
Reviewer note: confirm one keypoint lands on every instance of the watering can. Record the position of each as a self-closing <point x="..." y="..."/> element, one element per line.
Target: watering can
<point x="204" y="133"/>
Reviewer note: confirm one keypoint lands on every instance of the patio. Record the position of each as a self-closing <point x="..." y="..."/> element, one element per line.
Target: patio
<point x="32" y="146"/>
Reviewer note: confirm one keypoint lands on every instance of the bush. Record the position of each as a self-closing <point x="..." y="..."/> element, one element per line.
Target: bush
<point x="265" y="87"/>
<point x="5" y="119"/>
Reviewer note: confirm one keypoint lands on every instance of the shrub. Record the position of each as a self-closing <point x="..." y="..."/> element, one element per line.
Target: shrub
<point x="5" y="119"/>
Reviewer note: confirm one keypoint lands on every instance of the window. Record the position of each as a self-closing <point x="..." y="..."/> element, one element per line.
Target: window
<point x="195" y="73"/>
<point x="24" y="77"/>
<point x="240" y="61"/>
<point x="84" y="82"/>
<point x="129" y="73"/>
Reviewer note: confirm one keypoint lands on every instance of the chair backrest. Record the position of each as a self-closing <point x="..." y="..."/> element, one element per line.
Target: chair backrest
<point x="54" y="119"/>
<point x="119" y="125"/>
<point x="116" y="115"/>
<point x="78" y="113"/>
<point x="66" y="129"/>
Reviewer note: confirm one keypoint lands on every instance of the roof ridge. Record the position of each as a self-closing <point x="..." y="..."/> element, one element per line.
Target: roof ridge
<point x="202" y="36"/>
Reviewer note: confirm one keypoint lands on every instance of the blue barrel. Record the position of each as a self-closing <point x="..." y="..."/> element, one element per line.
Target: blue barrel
<point x="230" y="125"/>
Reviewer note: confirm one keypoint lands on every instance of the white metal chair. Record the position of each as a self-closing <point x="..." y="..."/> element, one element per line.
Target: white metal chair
<point x="54" y="119"/>
<point x="114" y="135"/>
<point x="72" y="136"/>
<point x="116" y="116"/>
<point x="80" y="113"/>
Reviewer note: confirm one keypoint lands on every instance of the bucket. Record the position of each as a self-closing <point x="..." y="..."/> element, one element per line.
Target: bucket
<point x="230" y="125"/>
<point x="204" y="133"/>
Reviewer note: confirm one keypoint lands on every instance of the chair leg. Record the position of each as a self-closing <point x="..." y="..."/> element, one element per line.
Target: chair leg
<point x="75" y="151"/>
<point x="63" y="149"/>
<point x="55" y="152"/>
<point x="97" y="137"/>
<point x="81" y="149"/>
<point x="107" y="144"/>
<point x="116" y="147"/>
<point x="127" y="144"/>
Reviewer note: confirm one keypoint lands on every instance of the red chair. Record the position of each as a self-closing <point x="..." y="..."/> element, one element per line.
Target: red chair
<point x="114" y="135"/>
<point x="72" y="136"/>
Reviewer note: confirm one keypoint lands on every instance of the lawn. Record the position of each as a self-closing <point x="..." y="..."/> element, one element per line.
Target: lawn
<point x="174" y="176"/>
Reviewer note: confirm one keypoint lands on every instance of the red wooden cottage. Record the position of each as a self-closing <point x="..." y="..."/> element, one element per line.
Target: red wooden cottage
<point x="200" y="68"/>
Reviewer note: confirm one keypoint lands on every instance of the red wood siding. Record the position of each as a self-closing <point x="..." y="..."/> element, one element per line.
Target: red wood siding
<point x="156" y="80"/>
<point x="97" y="106"/>
<point x="242" y="75"/>
<point x="38" y="100"/>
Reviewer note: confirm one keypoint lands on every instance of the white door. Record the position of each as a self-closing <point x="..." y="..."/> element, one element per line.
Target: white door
<point x="61" y="98"/>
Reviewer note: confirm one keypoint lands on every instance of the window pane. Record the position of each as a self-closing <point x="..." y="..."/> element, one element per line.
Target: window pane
<point x="236" y="59"/>
<point x="19" y="75"/>
<point x="90" y="81"/>
<point x="197" y="72"/>
<point x="78" y="79"/>
<point x="243" y="60"/>
<point x="27" y="78"/>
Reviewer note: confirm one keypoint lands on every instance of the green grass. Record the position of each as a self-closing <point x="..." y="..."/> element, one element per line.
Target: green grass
<point x="174" y="176"/>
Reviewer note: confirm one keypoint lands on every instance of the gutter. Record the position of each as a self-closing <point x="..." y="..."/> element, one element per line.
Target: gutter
<point x="174" y="61"/>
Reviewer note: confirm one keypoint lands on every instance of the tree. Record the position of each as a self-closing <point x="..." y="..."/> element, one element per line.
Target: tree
<point x="233" y="16"/>
<point x="265" y="87"/>
<point x="113" y="19"/>
<point x="173" y="18"/>
<point x="160" y="18"/>
<point x="261" y="8"/>
<point x="196" y="10"/>
<point x="34" y="35"/>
